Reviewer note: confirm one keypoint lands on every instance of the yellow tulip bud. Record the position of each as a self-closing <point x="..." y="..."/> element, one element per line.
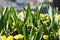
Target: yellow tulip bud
<point x="14" y="24"/>
<point x="45" y="37"/>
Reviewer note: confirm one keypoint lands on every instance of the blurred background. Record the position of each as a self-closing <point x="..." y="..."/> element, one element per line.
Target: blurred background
<point x="19" y="4"/>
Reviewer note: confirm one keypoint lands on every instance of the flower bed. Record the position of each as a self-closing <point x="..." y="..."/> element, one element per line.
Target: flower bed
<point x="29" y="25"/>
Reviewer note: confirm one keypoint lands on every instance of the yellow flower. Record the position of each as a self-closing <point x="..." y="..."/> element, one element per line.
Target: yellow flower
<point x="58" y="17"/>
<point x="14" y="24"/>
<point x="18" y="36"/>
<point x="47" y="16"/>
<point x="42" y="16"/>
<point x="21" y="15"/>
<point x="3" y="37"/>
<point x="21" y="36"/>
<point x="32" y="12"/>
<point x="10" y="38"/>
<point x="45" y="37"/>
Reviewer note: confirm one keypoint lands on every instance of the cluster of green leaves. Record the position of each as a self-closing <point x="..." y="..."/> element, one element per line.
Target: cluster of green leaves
<point x="33" y="27"/>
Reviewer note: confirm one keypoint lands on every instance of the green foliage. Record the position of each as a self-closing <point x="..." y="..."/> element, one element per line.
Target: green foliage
<point x="34" y="26"/>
